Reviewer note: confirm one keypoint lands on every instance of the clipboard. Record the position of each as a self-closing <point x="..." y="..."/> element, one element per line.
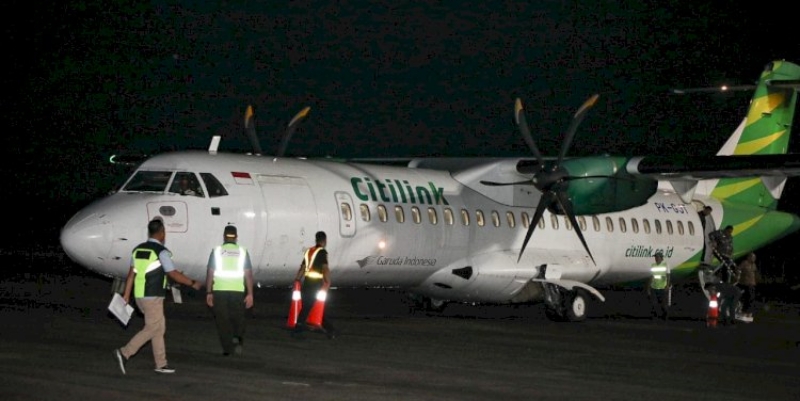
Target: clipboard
<point x="121" y="310"/>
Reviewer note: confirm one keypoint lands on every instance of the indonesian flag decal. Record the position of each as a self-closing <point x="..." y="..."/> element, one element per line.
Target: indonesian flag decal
<point x="242" y="178"/>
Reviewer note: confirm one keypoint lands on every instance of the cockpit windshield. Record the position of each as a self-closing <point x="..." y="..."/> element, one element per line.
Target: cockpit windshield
<point x="148" y="181"/>
<point x="186" y="184"/>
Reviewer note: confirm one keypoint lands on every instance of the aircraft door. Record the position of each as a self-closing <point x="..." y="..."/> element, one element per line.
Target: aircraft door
<point x="290" y="224"/>
<point x="347" y="221"/>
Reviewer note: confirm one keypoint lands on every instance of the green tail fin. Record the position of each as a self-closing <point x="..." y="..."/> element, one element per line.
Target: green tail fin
<point x="765" y="130"/>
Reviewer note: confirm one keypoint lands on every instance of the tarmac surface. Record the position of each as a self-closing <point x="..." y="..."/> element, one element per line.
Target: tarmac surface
<point x="56" y="342"/>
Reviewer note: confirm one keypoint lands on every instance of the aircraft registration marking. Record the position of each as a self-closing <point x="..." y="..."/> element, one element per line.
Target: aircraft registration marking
<point x="671" y="208"/>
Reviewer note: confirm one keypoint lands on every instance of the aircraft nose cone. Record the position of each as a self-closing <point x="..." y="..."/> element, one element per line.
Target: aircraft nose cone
<point x="86" y="239"/>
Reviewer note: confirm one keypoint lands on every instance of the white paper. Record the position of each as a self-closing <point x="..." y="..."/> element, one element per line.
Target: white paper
<point x="176" y="295"/>
<point x="120" y="309"/>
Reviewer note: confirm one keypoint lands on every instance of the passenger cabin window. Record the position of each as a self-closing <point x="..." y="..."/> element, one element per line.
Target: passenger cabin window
<point x="464" y="217"/>
<point x="433" y="216"/>
<point x="680" y="227"/>
<point x="382" y="215"/>
<point x="622" y="227"/>
<point x="525" y="219"/>
<point x="554" y="221"/>
<point x="646" y="224"/>
<point x="512" y="222"/>
<point x="148" y="181"/>
<point x="495" y="218"/>
<point x="214" y="187"/>
<point x="669" y="227"/>
<point x="347" y="212"/>
<point x="541" y="224"/>
<point x="596" y="223"/>
<point x="609" y="224"/>
<point x="479" y="217"/>
<point x="634" y="225"/>
<point x="448" y="216"/>
<point x="567" y="223"/>
<point x="658" y="226"/>
<point x="399" y="214"/>
<point x="186" y="184"/>
<point x="691" y="227"/>
<point x="364" y="212"/>
<point x="415" y="215"/>
<point x="582" y="223"/>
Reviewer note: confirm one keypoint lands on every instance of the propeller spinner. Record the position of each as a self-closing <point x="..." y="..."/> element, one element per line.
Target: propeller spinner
<point x="553" y="180"/>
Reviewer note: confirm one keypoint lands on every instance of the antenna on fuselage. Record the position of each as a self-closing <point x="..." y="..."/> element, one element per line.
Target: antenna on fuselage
<point x="214" y="145"/>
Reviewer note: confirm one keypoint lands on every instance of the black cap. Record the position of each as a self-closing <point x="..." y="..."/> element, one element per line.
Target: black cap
<point x="230" y="232"/>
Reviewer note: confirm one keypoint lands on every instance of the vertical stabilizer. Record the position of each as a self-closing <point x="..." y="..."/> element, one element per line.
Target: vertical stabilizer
<point x="765" y="130"/>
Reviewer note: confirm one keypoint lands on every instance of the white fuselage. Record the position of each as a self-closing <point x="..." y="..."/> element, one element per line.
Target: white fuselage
<point x="387" y="226"/>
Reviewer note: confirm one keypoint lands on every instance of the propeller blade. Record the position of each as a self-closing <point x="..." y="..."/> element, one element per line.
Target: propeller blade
<point x="522" y="123"/>
<point x="500" y="184"/>
<point x="576" y="121"/>
<point x="290" y="130"/>
<point x="566" y="206"/>
<point x="250" y="129"/>
<point x="545" y="201"/>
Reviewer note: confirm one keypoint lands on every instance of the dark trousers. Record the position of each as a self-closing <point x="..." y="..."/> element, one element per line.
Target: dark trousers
<point x="308" y="294"/>
<point x="660" y="302"/>
<point x="229" y="315"/>
<point x="748" y="297"/>
<point x="727" y="308"/>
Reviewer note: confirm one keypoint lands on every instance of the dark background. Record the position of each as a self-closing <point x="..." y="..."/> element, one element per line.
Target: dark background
<point x="87" y="79"/>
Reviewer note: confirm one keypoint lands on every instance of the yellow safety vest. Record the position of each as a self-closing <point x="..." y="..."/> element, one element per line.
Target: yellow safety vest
<point x="660" y="274"/>
<point x="229" y="260"/>
<point x="308" y="259"/>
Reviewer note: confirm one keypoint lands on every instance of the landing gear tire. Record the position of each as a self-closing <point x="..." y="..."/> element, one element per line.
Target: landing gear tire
<point x="434" y="305"/>
<point x="419" y="303"/>
<point x="564" y="305"/>
<point x="576" y="306"/>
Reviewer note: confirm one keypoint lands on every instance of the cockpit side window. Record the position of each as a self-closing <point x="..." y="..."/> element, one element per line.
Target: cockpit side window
<point x="186" y="184"/>
<point x="148" y="181"/>
<point x="215" y="188"/>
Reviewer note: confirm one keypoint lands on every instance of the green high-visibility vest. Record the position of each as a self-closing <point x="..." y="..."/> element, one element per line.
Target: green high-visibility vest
<point x="660" y="272"/>
<point x="150" y="279"/>
<point x="229" y="259"/>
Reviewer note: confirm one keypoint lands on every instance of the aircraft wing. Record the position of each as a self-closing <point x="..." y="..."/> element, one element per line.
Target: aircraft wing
<point x="694" y="168"/>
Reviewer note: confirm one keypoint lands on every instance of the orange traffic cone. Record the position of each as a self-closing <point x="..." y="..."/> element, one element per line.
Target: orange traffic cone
<point x="315" y="316"/>
<point x="713" y="310"/>
<point x="296" y="305"/>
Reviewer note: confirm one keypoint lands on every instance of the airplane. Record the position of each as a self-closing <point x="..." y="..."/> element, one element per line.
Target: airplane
<point x="471" y="230"/>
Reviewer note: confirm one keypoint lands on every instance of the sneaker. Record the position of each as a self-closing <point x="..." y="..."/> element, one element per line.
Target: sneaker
<point x="238" y="342"/>
<point x="165" y="369"/>
<point x="120" y="359"/>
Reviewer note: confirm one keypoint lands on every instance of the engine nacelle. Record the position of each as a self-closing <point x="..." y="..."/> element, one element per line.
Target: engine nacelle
<point x="609" y="189"/>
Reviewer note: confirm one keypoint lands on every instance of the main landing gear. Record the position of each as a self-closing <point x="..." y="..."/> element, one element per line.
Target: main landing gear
<point x="565" y="305"/>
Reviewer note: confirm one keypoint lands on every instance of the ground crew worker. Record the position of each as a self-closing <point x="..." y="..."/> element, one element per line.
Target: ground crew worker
<point x="151" y="263"/>
<point x="659" y="286"/>
<point x="722" y="243"/>
<point x="314" y="276"/>
<point x="729" y="295"/>
<point x="229" y="280"/>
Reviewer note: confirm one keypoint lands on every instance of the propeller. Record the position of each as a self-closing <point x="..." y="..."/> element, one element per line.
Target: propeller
<point x="290" y="130"/>
<point x="553" y="180"/>
<point x="250" y="130"/>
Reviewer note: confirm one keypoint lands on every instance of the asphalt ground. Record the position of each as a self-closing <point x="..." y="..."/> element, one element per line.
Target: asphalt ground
<point x="57" y="337"/>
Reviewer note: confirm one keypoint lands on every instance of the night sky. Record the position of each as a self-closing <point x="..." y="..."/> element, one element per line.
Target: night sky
<point x="86" y="79"/>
